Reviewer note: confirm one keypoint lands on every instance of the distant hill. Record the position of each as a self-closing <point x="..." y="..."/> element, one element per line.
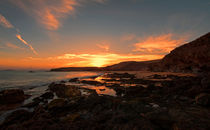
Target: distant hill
<point x="193" y="56"/>
<point x="133" y="66"/>
<point x="76" y="69"/>
<point x="190" y="57"/>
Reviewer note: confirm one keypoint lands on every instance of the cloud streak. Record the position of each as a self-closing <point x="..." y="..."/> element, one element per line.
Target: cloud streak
<point x="100" y="60"/>
<point x="23" y="41"/>
<point x="5" y="23"/>
<point x="47" y="12"/>
<point x="161" y="44"/>
<point x="103" y="46"/>
<point x="13" y="46"/>
<point x="50" y="13"/>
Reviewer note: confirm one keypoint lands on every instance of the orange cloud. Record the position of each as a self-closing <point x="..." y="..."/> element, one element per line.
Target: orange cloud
<point x="47" y="12"/>
<point x="103" y="46"/>
<point x="10" y="45"/>
<point x="162" y="44"/>
<point x="100" y="60"/>
<point x="4" y="22"/>
<point x="23" y="41"/>
<point x="75" y="60"/>
<point x="50" y="13"/>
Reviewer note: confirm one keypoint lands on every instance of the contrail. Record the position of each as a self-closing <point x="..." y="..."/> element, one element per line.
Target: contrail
<point x="5" y="23"/>
<point x="23" y="41"/>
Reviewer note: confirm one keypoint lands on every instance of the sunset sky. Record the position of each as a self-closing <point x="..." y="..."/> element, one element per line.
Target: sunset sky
<point x="41" y="34"/>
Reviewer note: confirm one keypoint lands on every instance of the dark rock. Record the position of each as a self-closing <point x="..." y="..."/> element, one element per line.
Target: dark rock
<point x="190" y="57"/>
<point x="135" y="91"/>
<point x="56" y="103"/>
<point x="32" y="104"/>
<point x="119" y="89"/>
<point x="62" y="81"/>
<point x="203" y="99"/>
<point x="65" y="91"/>
<point x="160" y="118"/>
<point x="205" y="82"/>
<point x="47" y="95"/>
<point x="17" y="117"/>
<point x="91" y="82"/>
<point x="121" y="75"/>
<point x="12" y="96"/>
<point x="74" y="80"/>
<point x="102" y="89"/>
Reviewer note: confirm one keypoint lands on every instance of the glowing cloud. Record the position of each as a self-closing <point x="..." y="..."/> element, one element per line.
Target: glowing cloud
<point x="10" y="45"/>
<point x="103" y="46"/>
<point x="4" y="22"/>
<point x="50" y="13"/>
<point x="23" y="41"/>
<point x="47" y="12"/>
<point x="162" y="44"/>
<point x="100" y="60"/>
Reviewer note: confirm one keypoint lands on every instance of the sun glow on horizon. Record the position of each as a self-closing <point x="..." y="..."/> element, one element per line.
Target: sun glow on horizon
<point x="99" y="62"/>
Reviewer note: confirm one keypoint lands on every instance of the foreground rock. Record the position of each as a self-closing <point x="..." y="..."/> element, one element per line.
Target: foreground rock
<point x="64" y="91"/>
<point x="180" y="103"/>
<point x="12" y="96"/>
<point x="203" y="99"/>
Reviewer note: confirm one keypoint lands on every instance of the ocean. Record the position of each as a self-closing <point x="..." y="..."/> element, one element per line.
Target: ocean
<point x="35" y="83"/>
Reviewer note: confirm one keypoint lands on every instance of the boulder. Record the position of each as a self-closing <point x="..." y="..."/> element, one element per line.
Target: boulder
<point x="91" y="82"/>
<point x="74" y="80"/>
<point x="56" y="103"/>
<point x="203" y="99"/>
<point x="65" y="91"/>
<point x="17" y="117"/>
<point x="47" y="95"/>
<point x="12" y="96"/>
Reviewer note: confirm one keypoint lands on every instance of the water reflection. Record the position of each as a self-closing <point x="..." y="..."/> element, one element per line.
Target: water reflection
<point x="101" y="90"/>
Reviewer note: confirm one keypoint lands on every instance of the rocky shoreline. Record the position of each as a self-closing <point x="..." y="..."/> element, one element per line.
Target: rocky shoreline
<point x="155" y="102"/>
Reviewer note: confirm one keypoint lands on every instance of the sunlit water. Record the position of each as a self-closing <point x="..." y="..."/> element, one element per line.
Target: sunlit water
<point x="35" y="83"/>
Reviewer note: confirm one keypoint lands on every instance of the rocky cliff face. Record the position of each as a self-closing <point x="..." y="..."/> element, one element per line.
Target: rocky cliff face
<point x="190" y="57"/>
<point x="133" y="66"/>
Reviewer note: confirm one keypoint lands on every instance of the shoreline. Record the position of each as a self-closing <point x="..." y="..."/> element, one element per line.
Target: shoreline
<point x="156" y="104"/>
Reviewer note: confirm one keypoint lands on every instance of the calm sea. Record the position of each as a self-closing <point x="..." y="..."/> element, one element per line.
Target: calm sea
<point x="35" y="83"/>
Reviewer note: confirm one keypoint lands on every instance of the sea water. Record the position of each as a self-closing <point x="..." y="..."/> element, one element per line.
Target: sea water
<point x="35" y="83"/>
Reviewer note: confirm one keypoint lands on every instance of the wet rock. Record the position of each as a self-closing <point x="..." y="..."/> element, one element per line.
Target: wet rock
<point x="160" y="118"/>
<point x="102" y="89"/>
<point x="31" y="104"/>
<point x="203" y="99"/>
<point x="12" y="96"/>
<point x="71" y="117"/>
<point x="121" y="75"/>
<point x="65" y="91"/>
<point x="17" y="117"/>
<point x="206" y="81"/>
<point x="190" y="118"/>
<point x="38" y="99"/>
<point x="119" y="89"/>
<point x="56" y="103"/>
<point x="154" y="105"/>
<point x="91" y="82"/>
<point x="62" y="82"/>
<point x="74" y="80"/>
<point x="156" y="76"/>
<point x="136" y="91"/>
<point x="47" y="95"/>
